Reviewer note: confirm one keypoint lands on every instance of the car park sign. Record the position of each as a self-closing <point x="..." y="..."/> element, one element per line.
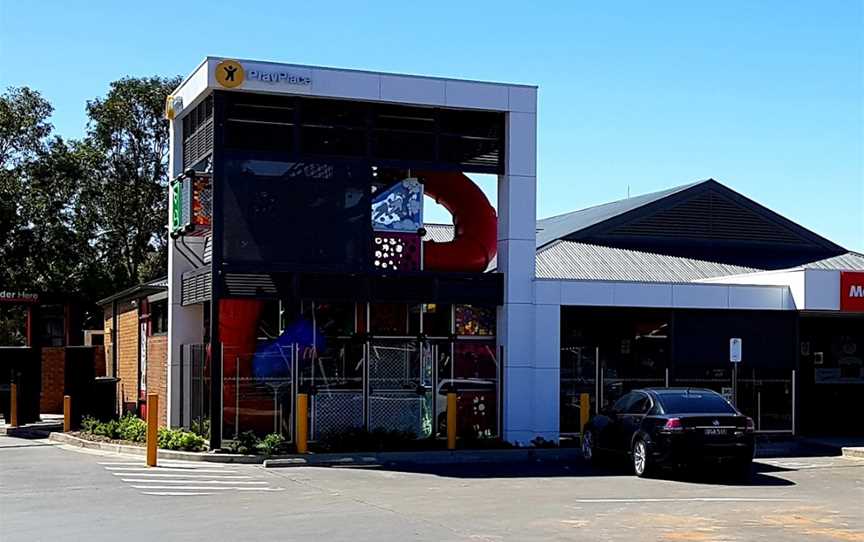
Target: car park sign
<point x="735" y="350"/>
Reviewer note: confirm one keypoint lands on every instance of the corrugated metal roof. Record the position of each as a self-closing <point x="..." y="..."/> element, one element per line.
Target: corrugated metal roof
<point x="573" y="260"/>
<point x="556" y="227"/>
<point x="851" y="261"/>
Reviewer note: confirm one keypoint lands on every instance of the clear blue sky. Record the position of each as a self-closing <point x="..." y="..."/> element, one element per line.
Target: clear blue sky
<point x="765" y="96"/>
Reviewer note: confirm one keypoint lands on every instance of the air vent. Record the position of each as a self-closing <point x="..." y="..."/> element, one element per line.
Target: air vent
<point x="709" y="216"/>
<point x="249" y="285"/>
<point x="198" y="133"/>
<point x="195" y="288"/>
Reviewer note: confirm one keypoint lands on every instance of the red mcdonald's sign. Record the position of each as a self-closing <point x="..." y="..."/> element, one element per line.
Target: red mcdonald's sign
<point x="852" y="291"/>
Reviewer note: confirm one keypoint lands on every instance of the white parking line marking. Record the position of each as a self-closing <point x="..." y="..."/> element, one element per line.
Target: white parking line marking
<point x="179" y="475"/>
<point x="187" y="481"/>
<point x="209" y="488"/>
<point x="178" y="464"/>
<point x="175" y="493"/>
<point x="170" y="469"/>
<point x="689" y="499"/>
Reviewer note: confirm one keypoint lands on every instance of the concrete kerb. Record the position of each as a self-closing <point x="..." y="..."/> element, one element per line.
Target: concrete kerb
<point x="856" y="452"/>
<point x="526" y="455"/>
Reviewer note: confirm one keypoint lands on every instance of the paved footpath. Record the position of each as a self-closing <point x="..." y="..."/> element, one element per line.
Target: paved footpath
<point x="48" y="492"/>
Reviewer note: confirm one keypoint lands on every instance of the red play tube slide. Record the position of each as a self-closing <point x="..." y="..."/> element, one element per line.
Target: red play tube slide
<point x="475" y="239"/>
<point x="238" y="331"/>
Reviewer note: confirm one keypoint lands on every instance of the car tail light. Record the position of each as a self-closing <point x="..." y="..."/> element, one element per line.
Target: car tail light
<point x="749" y="426"/>
<point x="673" y="424"/>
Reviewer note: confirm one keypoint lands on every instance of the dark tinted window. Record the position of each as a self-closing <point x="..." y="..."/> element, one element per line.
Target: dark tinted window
<point x="695" y="402"/>
<point x="622" y="404"/>
<point x="640" y="405"/>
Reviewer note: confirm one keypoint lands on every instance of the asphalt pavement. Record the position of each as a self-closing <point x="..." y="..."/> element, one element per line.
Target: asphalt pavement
<point x="49" y="492"/>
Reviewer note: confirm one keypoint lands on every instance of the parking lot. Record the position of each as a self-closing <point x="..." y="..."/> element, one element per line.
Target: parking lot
<point x="49" y="493"/>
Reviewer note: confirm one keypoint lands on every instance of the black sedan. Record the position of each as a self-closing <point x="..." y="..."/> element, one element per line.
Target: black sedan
<point x="672" y="426"/>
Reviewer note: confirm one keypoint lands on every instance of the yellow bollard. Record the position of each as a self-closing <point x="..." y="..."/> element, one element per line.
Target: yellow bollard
<point x="67" y="413"/>
<point x="152" y="428"/>
<point x="584" y="410"/>
<point x="302" y="423"/>
<point x="13" y="405"/>
<point x="451" y="421"/>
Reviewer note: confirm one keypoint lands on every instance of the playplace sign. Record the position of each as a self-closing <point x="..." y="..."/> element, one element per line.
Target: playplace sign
<point x="233" y="74"/>
<point x="852" y="291"/>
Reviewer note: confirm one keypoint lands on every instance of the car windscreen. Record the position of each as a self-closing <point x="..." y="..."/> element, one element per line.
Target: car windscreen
<point x="694" y="402"/>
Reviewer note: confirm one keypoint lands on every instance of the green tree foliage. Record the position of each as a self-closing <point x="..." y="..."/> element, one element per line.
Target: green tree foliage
<point x="126" y="150"/>
<point x="84" y="217"/>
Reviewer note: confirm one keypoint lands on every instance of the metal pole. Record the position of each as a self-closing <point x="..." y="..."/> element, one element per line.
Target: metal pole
<point x="794" y="403"/>
<point x="759" y="410"/>
<point x="598" y="385"/>
<point x="667" y="377"/>
<point x="236" y="396"/>
<point x="735" y="384"/>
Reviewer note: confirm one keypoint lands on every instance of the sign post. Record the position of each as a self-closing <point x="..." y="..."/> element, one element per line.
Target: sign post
<point x="735" y="353"/>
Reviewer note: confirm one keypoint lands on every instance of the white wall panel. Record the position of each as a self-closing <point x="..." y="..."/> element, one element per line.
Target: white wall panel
<point x="415" y="90"/>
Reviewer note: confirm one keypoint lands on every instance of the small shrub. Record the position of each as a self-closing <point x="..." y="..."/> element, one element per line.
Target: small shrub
<point x="245" y="443"/>
<point x="201" y="426"/>
<point x="132" y="428"/>
<point x="89" y="424"/>
<point x="272" y="444"/>
<point x="178" y="439"/>
<point x="109" y="429"/>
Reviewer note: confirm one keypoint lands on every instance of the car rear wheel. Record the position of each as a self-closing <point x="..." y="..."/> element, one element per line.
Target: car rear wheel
<point x="641" y="459"/>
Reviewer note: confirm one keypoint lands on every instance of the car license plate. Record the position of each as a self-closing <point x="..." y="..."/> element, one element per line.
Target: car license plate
<point x="715" y="431"/>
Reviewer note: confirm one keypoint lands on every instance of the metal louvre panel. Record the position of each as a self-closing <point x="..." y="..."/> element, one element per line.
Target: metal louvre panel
<point x="195" y="289"/>
<point x="249" y="285"/>
<point x="709" y="216"/>
<point x="208" y="249"/>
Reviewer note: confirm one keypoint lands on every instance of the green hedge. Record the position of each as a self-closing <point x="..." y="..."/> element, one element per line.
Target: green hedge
<point x="133" y="429"/>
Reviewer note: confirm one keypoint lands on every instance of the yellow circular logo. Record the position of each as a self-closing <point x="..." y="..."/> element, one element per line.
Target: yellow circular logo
<point x="229" y="74"/>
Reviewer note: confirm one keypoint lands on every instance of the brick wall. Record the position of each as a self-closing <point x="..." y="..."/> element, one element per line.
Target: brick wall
<point x="127" y="352"/>
<point x="53" y="379"/>
<point x="157" y="373"/>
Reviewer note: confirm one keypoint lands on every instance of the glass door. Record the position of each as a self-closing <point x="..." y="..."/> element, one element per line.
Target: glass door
<point x="578" y="379"/>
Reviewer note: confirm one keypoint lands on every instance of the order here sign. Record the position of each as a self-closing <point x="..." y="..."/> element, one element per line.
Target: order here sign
<point x="852" y="291"/>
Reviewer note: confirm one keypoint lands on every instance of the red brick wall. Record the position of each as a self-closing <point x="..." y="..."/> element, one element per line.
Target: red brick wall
<point x="157" y="373"/>
<point x="53" y="379"/>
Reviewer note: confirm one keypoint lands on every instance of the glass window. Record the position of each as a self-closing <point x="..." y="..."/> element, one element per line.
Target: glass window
<point x="640" y="404"/>
<point x="159" y="316"/>
<point x="53" y="325"/>
<point x="695" y="402"/>
<point x="623" y="403"/>
<point x="475" y="320"/>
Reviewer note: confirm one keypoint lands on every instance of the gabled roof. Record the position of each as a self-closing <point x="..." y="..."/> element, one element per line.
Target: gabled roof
<point x="555" y="227"/>
<point x="704" y="213"/>
<point x="850" y="261"/>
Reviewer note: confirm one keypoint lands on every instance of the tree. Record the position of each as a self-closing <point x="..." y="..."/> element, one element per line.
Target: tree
<point x="126" y="153"/>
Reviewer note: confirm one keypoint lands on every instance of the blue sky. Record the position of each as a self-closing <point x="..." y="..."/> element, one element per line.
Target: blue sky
<point x="765" y="96"/>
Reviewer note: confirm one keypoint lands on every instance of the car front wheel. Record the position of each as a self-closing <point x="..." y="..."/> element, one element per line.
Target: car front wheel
<point x="641" y="459"/>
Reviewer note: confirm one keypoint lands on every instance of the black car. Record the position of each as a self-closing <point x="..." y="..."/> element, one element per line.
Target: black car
<point x="672" y="426"/>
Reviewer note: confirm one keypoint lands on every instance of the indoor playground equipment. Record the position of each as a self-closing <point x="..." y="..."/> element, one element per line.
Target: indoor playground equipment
<point x="397" y="245"/>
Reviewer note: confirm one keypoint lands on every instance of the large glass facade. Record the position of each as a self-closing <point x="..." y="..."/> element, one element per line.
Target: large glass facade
<point x="375" y="366"/>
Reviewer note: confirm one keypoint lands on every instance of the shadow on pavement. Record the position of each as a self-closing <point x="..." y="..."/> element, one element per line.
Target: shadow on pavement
<point x="578" y="469"/>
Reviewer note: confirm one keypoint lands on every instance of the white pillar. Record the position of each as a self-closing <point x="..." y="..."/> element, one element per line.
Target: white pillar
<point x="517" y="222"/>
<point x="185" y="324"/>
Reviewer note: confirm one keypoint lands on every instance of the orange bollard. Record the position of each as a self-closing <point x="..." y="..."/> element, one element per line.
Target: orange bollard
<point x="302" y="423"/>
<point x="67" y="413"/>
<point x="451" y="421"/>
<point x="13" y="405"/>
<point x="584" y="410"/>
<point x="152" y="428"/>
